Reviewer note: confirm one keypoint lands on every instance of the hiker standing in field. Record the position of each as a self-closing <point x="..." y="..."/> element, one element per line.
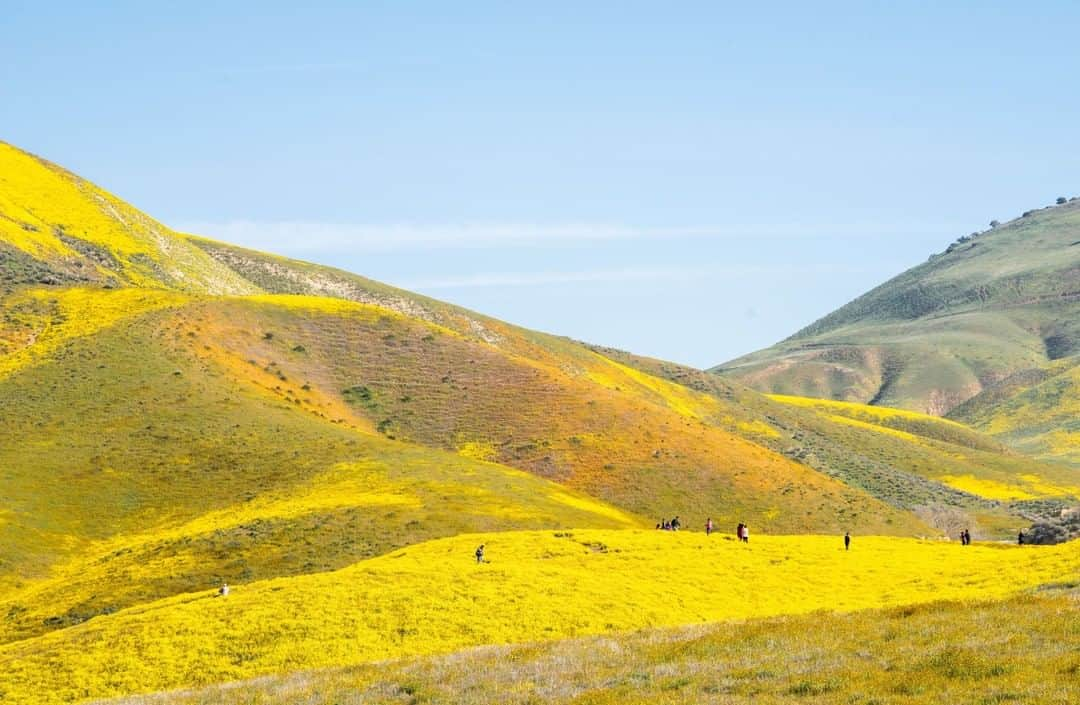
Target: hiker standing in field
<point x="1020" y="538"/>
<point x="738" y="531"/>
<point x="480" y="554"/>
<point x="745" y="533"/>
<point x="675" y="523"/>
<point x="708" y="526"/>
<point x="847" y="540"/>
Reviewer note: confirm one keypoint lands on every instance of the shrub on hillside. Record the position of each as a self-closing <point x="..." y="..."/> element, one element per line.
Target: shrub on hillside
<point x="1061" y="200"/>
<point x="1055" y="530"/>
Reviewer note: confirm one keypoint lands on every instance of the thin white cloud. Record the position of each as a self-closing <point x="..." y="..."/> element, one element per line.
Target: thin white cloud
<point x="533" y="279"/>
<point x="294" y="68"/>
<point x="519" y="279"/>
<point x="302" y="236"/>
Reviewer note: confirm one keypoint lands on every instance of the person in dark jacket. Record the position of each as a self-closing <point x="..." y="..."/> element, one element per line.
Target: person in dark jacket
<point x="847" y="540"/>
<point x="480" y="554"/>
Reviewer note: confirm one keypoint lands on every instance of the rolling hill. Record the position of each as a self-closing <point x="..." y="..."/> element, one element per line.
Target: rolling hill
<point x="180" y="412"/>
<point x="987" y="332"/>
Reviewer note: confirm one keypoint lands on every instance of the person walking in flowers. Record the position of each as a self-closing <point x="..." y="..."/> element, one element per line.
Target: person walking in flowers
<point x="480" y="554"/>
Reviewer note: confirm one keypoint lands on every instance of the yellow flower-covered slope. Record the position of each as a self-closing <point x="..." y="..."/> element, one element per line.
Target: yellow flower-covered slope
<point x="434" y="597"/>
<point x="59" y="228"/>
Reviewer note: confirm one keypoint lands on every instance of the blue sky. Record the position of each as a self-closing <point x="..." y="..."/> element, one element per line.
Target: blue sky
<point x="687" y="180"/>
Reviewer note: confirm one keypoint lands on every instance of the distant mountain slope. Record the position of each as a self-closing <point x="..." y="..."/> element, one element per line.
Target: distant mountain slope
<point x="1025" y="262"/>
<point x="1000" y="305"/>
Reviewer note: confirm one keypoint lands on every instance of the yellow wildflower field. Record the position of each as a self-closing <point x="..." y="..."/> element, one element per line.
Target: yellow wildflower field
<point x="539" y="585"/>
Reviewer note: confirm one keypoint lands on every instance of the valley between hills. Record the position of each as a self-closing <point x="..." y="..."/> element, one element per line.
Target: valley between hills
<point x="180" y="413"/>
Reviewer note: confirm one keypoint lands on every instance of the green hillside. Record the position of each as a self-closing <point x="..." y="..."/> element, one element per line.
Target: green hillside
<point x="991" y="312"/>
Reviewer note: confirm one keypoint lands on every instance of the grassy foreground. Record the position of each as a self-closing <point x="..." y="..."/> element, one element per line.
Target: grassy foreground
<point x="1020" y="650"/>
<point x="432" y="598"/>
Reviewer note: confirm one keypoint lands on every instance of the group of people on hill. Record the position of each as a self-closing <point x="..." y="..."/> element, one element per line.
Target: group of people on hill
<point x="672" y="525"/>
<point x="742" y="531"/>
